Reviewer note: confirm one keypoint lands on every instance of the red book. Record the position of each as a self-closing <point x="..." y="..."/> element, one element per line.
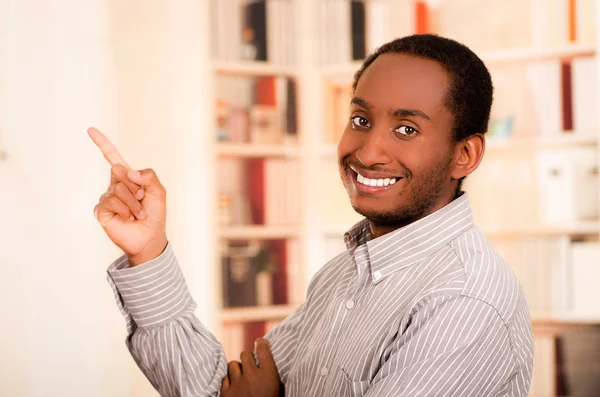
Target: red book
<point x="253" y="331"/>
<point x="256" y="190"/>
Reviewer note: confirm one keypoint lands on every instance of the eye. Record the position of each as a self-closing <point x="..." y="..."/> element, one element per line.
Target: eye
<point x="406" y="130"/>
<point x="359" y="122"/>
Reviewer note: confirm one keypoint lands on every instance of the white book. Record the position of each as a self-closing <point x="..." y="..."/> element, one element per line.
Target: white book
<point x="585" y="95"/>
<point x="376" y="24"/>
<point x="543" y="81"/>
<point x="544" y="368"/>
<point x="549" y="23"/>
<point x="274" y="31"/>
<point x="341" y="45"/>
<point x="400" y="20"/>
<point x="585" y="275"/>
<point x="568" y="185"/>
<point x="234" y="16"/>
<point x="264" y="289"/>
<point x="288" y="39"/>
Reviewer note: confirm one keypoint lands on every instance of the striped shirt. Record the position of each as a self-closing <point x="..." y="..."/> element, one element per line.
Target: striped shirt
<point x="429" y="309"/>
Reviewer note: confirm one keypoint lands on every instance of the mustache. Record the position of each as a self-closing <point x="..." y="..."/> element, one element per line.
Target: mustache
<point x="357" y="165"/>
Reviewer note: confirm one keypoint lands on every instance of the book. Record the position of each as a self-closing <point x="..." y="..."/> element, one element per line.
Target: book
<point x="501" y="24"/>
<point x="358" y="33"/>
<point x="252" y="331"/>
<point x="239" y="270"/>
<point x="585" y="270"/>
<point x="544" y="82"/>
<point x="254" y="30"/>
<point x="568" y="184"/>
<point x="585" y="98"/>
<point x="543" y="382"/>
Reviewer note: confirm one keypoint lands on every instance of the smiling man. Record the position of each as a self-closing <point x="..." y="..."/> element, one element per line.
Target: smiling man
<point x="420" y="304"/>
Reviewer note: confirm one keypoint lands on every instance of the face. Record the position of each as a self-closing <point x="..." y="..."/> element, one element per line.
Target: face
<point x="397" y="154"/>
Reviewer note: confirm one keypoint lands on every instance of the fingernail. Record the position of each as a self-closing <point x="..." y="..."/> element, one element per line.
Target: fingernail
<point x="134" y="174"/>
<point x="132" y="218"/>
<point x="140" y="194"/>
<point x="261" y="341"/>
<point x="142" y="214"/>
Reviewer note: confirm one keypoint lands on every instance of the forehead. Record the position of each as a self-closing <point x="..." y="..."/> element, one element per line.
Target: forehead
<point x="404" y="81"/>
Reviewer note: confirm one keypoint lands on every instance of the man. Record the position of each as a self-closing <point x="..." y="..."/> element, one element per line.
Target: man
<point x="420" y="304"/>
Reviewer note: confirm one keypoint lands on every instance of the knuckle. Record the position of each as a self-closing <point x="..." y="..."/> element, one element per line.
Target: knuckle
<point x="114" y="202"/>
<point x="120" y="188"/>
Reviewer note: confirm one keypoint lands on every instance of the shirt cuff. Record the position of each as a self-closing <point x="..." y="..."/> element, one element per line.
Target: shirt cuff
<point x="151" y="294"/>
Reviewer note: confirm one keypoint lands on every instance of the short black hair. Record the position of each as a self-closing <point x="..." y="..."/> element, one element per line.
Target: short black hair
<point x="469" y="97"/>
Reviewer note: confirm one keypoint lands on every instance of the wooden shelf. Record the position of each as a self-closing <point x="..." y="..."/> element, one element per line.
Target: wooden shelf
<point x="257" y="313"/>
<point x="519" y="144"/>
<point x="491" y="58"/>
<point x="524" y="55"/>
<point x="556" y="327"/>
<point x="253" y="68"/>
<point x="519" y="231"/>
<point x="258" y="232"/>
<point x="253" y="150"/>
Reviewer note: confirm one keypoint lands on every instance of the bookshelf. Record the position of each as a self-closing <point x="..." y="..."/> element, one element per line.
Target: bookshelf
<point x="302" y="50"/>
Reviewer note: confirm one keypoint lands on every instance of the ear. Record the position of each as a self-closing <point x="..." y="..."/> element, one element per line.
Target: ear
<point x="468" y="155"/>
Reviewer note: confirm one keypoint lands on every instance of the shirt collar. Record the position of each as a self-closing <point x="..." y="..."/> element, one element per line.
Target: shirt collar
<point x="412" y="243"/>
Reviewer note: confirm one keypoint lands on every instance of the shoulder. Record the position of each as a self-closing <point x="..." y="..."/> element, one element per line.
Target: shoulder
<point x="487" y="276"/>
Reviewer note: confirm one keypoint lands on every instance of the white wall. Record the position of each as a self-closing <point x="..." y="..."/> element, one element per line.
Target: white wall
<point x="136" y="70"/>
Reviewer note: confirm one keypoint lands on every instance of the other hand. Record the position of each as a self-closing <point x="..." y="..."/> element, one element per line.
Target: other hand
<point x="246" y="379"/>
<point x="133" y="209"/>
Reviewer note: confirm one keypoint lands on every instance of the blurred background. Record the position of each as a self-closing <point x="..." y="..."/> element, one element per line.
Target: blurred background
<point x="238" y="106"/>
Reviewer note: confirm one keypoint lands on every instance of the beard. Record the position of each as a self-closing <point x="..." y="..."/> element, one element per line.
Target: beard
<point x="423" y="194"/>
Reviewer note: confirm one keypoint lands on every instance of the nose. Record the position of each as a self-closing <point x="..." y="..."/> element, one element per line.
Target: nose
<point x="373" y="149"/>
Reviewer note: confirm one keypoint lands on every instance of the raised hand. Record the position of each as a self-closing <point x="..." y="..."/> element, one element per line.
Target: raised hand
<point x="133" y="209"/>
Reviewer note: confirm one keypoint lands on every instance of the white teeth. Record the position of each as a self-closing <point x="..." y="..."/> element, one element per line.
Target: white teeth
<point x="375" y="182"/>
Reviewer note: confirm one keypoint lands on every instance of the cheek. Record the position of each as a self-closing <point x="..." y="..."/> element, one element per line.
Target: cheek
<point x="347" y="143"/>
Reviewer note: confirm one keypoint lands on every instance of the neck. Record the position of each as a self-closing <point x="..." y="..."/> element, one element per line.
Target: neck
<point x="378" y="229"/>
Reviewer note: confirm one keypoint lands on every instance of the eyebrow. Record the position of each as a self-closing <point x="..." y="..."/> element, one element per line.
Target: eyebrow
<point x="398" y="113"/>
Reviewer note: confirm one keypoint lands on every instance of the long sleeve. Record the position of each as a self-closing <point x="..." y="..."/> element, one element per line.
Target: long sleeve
<point x="457" y="346"/>
<point x="178" y="355"/>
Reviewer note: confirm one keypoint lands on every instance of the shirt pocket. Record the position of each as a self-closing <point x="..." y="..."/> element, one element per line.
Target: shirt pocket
<point x="353" y="388"/>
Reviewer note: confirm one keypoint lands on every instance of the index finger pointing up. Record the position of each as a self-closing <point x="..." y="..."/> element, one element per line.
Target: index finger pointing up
<point x="109" y="150"/>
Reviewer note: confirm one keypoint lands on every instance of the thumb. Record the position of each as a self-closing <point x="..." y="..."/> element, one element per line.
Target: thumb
<point x="149" y="181"/>
<point x="265" y="356"/>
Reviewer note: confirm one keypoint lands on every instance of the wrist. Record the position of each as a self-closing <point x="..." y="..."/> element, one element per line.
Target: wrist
<point x="153" y="251"/>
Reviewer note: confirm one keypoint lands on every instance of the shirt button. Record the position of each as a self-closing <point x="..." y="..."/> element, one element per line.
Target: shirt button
<point x="324" y="371"/>
<point x="376" y="276"/>
<point x="349" y="304"/>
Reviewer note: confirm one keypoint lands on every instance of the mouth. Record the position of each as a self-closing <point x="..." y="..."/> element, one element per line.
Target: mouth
<point x="371" y="182"/>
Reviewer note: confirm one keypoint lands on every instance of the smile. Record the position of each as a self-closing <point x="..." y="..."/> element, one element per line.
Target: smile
<point x="375" y="182"/>
<point x="371" y="182"/>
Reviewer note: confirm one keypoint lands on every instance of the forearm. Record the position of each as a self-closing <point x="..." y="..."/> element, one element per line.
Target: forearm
<point x="173" y="349"/>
